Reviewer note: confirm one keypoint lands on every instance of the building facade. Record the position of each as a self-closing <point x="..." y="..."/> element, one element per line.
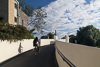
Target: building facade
<point x="12" y="13"/>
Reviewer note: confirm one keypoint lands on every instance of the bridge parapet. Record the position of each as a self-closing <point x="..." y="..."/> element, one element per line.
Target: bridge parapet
<point x="75" y="55"/>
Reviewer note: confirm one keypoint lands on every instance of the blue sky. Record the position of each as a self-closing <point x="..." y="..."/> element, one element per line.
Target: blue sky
<point x="36" y="3"/>
<point x="66" y="16"/>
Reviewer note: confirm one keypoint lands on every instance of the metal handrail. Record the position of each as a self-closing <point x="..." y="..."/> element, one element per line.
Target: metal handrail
<point x="64" y="58"/>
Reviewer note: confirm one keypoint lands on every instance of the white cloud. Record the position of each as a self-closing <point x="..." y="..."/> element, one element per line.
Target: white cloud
<point x="71" y="14"/>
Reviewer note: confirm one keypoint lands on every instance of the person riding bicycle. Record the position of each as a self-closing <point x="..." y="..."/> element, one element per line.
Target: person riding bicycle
<point x="35" y="43"/>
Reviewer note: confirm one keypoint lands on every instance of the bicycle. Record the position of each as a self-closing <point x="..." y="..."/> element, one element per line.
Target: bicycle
<point x="36" y="50"/>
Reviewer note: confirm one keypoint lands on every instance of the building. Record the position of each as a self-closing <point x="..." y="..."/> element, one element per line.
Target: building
<point x="11" y="12"/>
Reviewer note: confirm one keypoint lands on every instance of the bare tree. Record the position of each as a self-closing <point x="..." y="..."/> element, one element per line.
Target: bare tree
<point x="37" y="20"/>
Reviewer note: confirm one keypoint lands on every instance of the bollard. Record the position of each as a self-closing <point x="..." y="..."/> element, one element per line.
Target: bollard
<point x="67" y="39"/>
<point x="55" y="38"/>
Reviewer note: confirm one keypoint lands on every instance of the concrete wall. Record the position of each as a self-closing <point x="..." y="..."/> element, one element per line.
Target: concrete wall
<point x="8" y="50"/>
<point x="44" y="42"/>
<point x="79" y="55"/>
<point x="63" y="40"/>
<point x="60" y="62"/>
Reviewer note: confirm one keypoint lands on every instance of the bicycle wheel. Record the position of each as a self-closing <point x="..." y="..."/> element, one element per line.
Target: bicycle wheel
<point x="35" y="51"/>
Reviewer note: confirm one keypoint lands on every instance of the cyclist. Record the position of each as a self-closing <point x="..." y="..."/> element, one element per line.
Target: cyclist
<point x="35" y="43"/>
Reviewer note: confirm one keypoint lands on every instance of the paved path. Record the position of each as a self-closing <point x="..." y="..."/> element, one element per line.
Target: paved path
<point x="44" y="59"/>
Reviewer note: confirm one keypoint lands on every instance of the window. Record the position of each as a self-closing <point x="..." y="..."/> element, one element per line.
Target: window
<point x="15" y="5"/>
<point x="15" y="19"/>
<point x="22" y="22"/>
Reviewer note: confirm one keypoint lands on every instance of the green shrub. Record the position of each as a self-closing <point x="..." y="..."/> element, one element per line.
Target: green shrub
<point x="88" y="35"/>
<point x="13" y="32"/>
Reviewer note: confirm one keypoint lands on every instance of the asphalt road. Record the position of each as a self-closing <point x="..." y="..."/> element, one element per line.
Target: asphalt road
<point x="43" y="59"/>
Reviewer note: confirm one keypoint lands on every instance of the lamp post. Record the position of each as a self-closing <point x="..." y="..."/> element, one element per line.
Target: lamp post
<point x="55" y="32"/>
<point x="55" y="36"/>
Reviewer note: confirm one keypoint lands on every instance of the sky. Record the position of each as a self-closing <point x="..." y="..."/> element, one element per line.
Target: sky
<point x="66" y="16"/>
<point x="36" y="3"/>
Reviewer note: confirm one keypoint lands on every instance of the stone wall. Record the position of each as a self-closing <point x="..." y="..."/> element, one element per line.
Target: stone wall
<point x="22" y="16"/>
<point x="11" y="6"/>
<point x="7" y="11"/>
